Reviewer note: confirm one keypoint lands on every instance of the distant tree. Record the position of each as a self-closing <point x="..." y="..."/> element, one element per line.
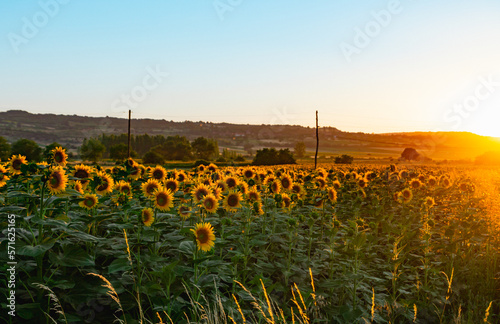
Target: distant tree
<point x="300" y="149"/>
<point x="344" y="159"/>
<point x="410" y="154"/>
<point x="28" y="148"/>
<point x="92" y="149"/>
<point x="268" y="156"/>
<point x="175" y="148"/>
<point x="153" y="157"/>
<point x="119" y="152"/>
<point x="4" y="149"/>
<point x="206" y="149"/>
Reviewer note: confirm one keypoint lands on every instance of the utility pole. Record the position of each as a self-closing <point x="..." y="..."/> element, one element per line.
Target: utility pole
<point x="128" y="147"/>
<point x="317" y="142"/>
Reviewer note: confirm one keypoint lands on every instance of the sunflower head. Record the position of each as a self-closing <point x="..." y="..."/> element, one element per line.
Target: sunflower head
<point x="124" y="188"/>
<point x="184" y="212"/>
<point x="286" y="182"/>
<point x="163" y="199"/>
<point x="415" y="184"/>
<point x="57" y="180"/>
<point x="172" y="185"/>
<point x="336" y="184"/>
<point x="429" y="202"/>
<point x="147" y="216"/>
<point x="210" y="203"/>
<point x="212" y="167"/>
<point x="248" y="173"/>
<point x="83" y="172"/>
<point x="158" y="172"/>
<point x="89" y="201"/>
<point x="199" y="192"/>
<point x="275" y="186"/>
<point x="104" y="183"/>
<point x="16" y="162"/>
<point x="181" y="176"/>
<point x="204" y="234"/>
<point x="253" y="195"/>
<point x="78" y="187"/>
<point x="231" y="182"/>
<point x="286" y="201"/>
<point x="362" y="182"/>
<point x="332" y="195"/>
<point x="232" y="201"/>
<point x="3" y="176"/>
<point x="257" y="208"/>
<point x="59" y="156"/>
<point x="149" y="187"/>
<point x="407" y="194"/>
<point x="432" y="181"/>
<point x="321" y="182"/>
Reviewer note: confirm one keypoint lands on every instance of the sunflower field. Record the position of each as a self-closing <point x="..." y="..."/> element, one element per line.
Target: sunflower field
<point x="279" y="244"/>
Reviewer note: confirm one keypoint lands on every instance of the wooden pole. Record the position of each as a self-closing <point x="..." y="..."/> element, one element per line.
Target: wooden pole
<point x="128" y="147"/>
<point x="317" y="142"/>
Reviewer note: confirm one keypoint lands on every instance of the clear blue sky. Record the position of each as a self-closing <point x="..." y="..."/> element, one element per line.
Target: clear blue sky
<point x="424" y="67"/>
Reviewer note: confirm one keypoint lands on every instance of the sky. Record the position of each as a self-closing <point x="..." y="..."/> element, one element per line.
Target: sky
<point x="365" y="66"/>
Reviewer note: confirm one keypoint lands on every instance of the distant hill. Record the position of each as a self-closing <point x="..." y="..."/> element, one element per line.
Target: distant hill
<point x="70" y="130"/>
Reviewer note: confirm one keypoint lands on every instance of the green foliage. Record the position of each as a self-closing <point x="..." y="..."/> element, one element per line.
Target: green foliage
<point x="268" y="156"/>
<point x="153" y="157"/>
<point x="300" y="149"/>
<point x="4" y="149"/>
<point x="344" y="159"/>
<point x="92" y="149"/>
<point x="28" y="148"/>
<point x="175" y="148"/>
<point x="206" y="149"/>
<point x="119" y="152"/>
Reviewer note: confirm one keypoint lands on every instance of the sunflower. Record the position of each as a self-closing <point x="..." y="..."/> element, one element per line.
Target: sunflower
<point x="286" y="182"/>
<point x="253" y="195"/>
<point x="3" y="176"/>
<point x="398" y="196"/>
<point x="164" y="199"/>
<point x="248" y="173"/>
<point x="231" y="182"/>
<point x="57" y="180"/>
<point x="124" y="188"/>
<point x="201" y="168"/>
<point x="336" y="185"/>
<point x="106" y="183"/>
<point x="232" y="201"/>
<point x="212" y="167"/>
<point x="181" y="176"/>
<point x="147" y="216"/>
<point x="429" y="202"/>
<point x="415" y="184"/>
<point x="16" y="162"/>
<point x="205" y="237"/>
<point x="432" y="181"/>
<point x="445" y="182"/>
<point x="243" y="187"/>
<point x="403" y="174"/>
<point x="59" y="156"/>
<point x="184" y="212"/>
<point x="217" y="192"/>
<point x="130" y="163"/>
<point x="78" y="187"/>
<point x="210" y="203"/>
<point x="362" y="183"/>
<point x="158" y="172"/>
<point x="463" y="187"/>
<point x="136" y="172"/>
<point x="149" y="187"/>
<point x="321" y="182"/>
<point x="82" y="172"/>
<point x="332" y="195"/>
<point x="275" y="186"/>
<point x="407" y="194"/>
<point x="298" y="189"/>
<point x="172" y="185"/>
<point x="286" y="201"/>
<point x="89" y="201"/>
<point x="199" y="192"/>
<point x="221" y="184"/>
<point x="257" y="208"/>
